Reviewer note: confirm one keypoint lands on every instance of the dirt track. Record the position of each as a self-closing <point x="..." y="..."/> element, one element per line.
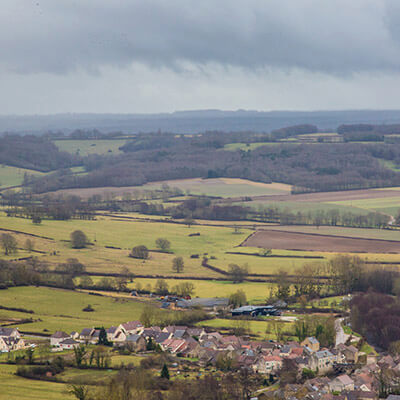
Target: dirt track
<point x="312" y="242"/>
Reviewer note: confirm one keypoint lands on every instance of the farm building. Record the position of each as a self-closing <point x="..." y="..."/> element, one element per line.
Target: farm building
<point x="255" y="311"/>
<point x="209" y="303"/>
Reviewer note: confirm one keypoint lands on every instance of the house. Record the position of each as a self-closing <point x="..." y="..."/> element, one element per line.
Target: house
<point x="341" y="383"/>
<point x="311" y="343"/>
<point x="350" y="353"/>
<point x="151" y="332"/>
<point x="136" y="342"/>
<point x="132" y="328"/>
<point x="86" y="335"/>
<point x="268" y="364"/>
<point x="174" y="346"/>
<point x="119" y="338"/>
<point x="74" y="335"/>
<point x="68" y="344"/>
<point x="160" y="337"/>
<point x="115" y="334"/>
<point x="11" y="343"/>
<point x="9" y="332"/>
<point x="360" y="395"/>
<point x="95" y="336"/>
<point x="322" y="361"/>
<point x="196" y="332"/>
<point x="192" y="350"/>
<point x="58" y="337"/>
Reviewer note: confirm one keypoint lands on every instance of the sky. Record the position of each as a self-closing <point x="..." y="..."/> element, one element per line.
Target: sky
<point x="149" y="56"/>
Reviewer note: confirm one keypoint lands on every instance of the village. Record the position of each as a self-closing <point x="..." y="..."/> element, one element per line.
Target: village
<point x="309" y="371"/>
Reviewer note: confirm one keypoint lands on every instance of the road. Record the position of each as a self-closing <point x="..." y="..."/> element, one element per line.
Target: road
<point x="341" y="337"/>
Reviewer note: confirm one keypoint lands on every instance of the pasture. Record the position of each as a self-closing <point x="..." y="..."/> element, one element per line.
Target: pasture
<point x="256" y="291"/>
<point x="13" y="176"/>
<point x="387" y="205"/>
<point x="261" y="329"/>
<point x="15" y="387"/>
<point x="57" y="309"/>
<point x="302" y="206"/>
<point x="88" y="147"/>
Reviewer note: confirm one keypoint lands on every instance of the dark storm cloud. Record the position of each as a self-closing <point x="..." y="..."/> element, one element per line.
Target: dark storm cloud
<point x="336" y="37"/>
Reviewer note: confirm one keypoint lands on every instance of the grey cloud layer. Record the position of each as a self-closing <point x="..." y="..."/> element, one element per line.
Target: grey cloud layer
<point x="336" y="36"/>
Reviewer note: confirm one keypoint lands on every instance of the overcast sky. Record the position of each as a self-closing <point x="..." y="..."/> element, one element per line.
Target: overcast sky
<point x="135" y="56"/>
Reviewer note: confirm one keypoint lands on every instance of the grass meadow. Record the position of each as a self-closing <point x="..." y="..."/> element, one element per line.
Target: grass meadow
<point x="57" y="309"/>
<point x="13" y="176"/>
<point x="87" y="147"/>
<point x="13" y="387"/>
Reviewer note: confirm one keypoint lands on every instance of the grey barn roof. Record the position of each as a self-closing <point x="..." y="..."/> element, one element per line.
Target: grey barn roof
<point x="204" y="302"/>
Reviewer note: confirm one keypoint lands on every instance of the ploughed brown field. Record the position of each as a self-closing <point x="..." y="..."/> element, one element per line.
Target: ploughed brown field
<point x="285" y="240"/>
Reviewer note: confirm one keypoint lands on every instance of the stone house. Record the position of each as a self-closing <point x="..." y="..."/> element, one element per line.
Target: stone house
<point x="58" y="337"/>
<point x="341" y="383"/>
<point x="311" y="342"/>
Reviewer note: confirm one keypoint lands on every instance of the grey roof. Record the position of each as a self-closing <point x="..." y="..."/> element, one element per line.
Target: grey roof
<point x="131" y="325"/>
<point x="112" y="329"/>
<point x="161" y="336"/>
<point x="179" y="333"/>
<point x="6" y="331"/>
<point x="96" y="333"/>
<point x="323" y="354"/>
<point x="312" y="340"/>
<point x="285" y="349"/>
<point x="69" y="341"/>
<point x="86" y="331"/>
<point x="59" y="335"/>
<point x="133" y="338"/>
<point x="204" y="302"/>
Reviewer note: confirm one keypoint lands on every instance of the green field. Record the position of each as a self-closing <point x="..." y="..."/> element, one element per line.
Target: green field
<point x="57" y="309"/>
<point x="388" y="205"/>
<point x="223" y="187"/>
<point x="87" y="147"/>
<point x="214" y="241"/>
<point x="126" y="234"/>
<point x="256" y="291"/>
<point x="305" y="207"/>
<point x="261" y="329"/>
<point x="13" y="387"/>
<point x="13" y="176"/>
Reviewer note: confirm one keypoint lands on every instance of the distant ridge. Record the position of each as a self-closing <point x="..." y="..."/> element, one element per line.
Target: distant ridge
<point x="193" y="121"/>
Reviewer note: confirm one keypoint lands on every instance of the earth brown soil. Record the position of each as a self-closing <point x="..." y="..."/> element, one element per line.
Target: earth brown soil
<point x="312" y="242"/>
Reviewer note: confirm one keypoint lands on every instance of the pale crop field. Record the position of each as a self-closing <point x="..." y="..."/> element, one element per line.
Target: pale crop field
<point x="224" y="187"/>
